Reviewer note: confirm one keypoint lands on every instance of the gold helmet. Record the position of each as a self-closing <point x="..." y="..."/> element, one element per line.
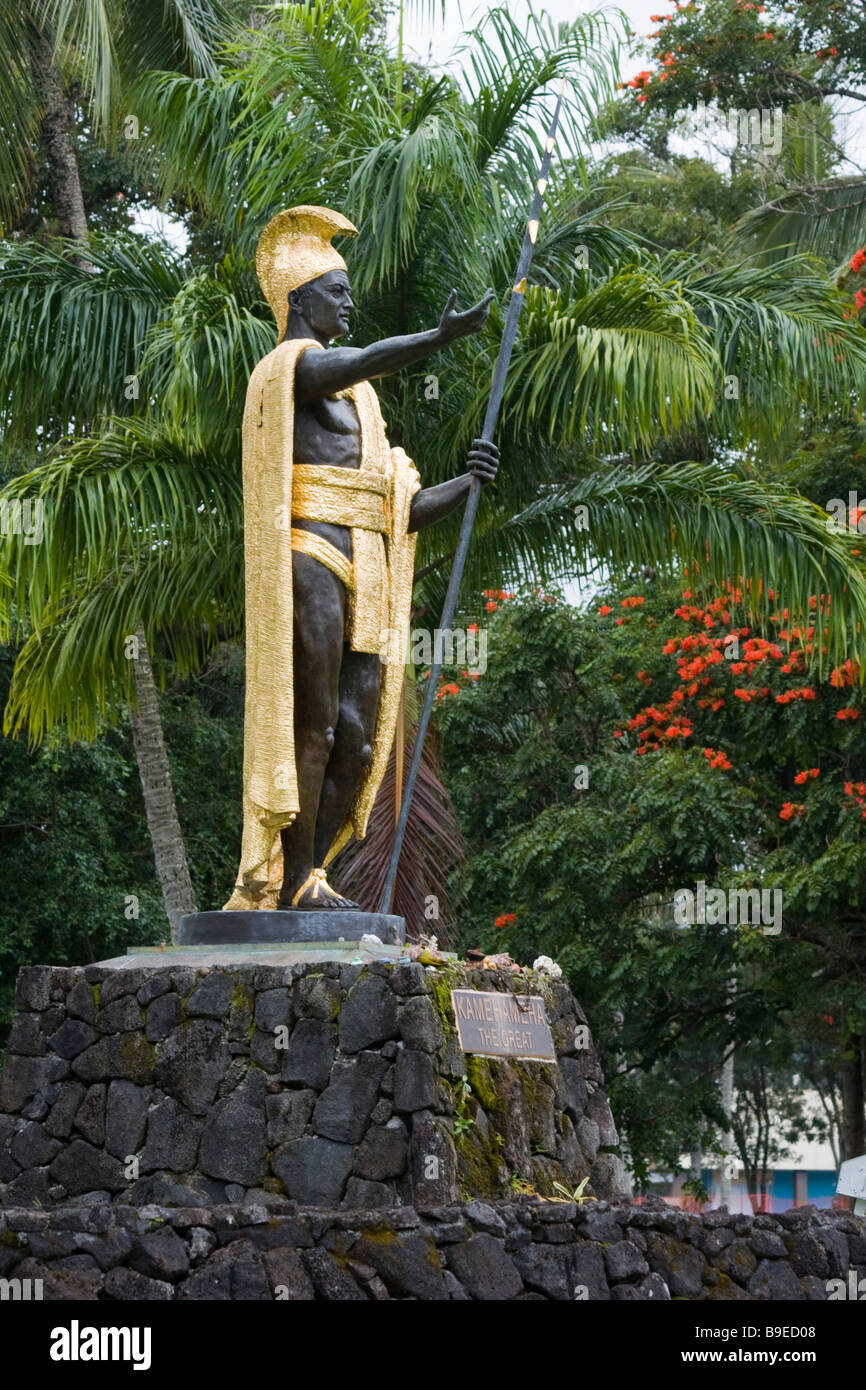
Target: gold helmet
<point x="295" y="247"/>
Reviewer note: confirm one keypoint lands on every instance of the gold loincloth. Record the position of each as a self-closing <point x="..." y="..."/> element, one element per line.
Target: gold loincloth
<point x="374" y="501"/>
<point x="356" y="498"/>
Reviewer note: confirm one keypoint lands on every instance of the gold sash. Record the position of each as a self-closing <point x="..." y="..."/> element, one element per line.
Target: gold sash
<point x="344" y="496"/>
<point x="356" y="498"/>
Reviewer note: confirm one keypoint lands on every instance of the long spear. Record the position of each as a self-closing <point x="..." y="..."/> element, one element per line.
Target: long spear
<point x="500" y="371"/>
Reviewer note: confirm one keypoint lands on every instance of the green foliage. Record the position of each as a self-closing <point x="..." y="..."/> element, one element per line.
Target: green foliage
<point x="95" y="48"/>
<point x="140" y="527"/>
<point x="772" y="538"/>
<point x="746" y="55"/>
<point x="145" y="355"/>
<point x="680" y="202"/>
<point x="793" y="59"/>
<point x="72" y="337"/>
<point x="74" y="835"/>
<point x="575" y="1196"/>
<point x="591" y="873"/>
<point x="463" y="1121"/>
<point x="625" y="347"/>
<point x="697" y="1189"/>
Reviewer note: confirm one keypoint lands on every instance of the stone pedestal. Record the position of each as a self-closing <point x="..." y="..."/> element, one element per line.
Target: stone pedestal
<point x="330" y="1084"/>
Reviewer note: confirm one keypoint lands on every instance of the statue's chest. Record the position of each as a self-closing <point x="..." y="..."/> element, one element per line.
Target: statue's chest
<point x="336" y="414"/>
<point x="328" y="431"/>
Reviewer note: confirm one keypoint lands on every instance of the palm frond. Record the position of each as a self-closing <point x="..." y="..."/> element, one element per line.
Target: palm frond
<point x="391" y="183"/>
<point x="722" y="528"/>
<point x="825" y="219"/>
<point x="509" y="66"/>
<point x="18" y="110"/>
<point x="201" y="353"/>
<point x="181" y="34"/>
<point x="71" y="338"/>
<point x="619" y="365"/>
<point x="192" y="150"/>
<point x="138" y="501"/>
<point x="782" y="335"/>
<point x="312" y="74"/>
<point x="74" y="672"/>
<point x="574" y="238"/>
<point x="107" y="44"/>
<point x="84" y="39"/>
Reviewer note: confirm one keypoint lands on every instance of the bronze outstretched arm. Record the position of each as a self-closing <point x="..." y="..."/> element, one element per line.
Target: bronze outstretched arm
<point x="324" y="373"/>
<point x="432" y="503"/>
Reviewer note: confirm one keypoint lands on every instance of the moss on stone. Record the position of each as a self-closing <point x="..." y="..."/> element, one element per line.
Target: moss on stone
<point x="537" y="1094"/>
<point x="478" y="1075"/>
<point x="441" y="985"/>
<point x="434" y="1259"/>
<point x="724" y="1291"/>
<point x="380" y="1235"/>
<point x="133" y="1050"/>
<point x="242" y="995"/>
<point x="479" y="1161"/>
<point x="477" y="1168"/>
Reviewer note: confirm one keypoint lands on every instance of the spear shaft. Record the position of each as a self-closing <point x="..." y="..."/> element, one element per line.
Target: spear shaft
<point x="500" y="371"/>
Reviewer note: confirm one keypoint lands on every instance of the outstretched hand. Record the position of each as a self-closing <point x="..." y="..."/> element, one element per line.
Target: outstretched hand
<point x="453" y="325"/>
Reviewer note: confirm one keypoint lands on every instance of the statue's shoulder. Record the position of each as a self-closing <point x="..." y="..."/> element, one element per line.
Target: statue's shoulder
<point x="283" y="358"/>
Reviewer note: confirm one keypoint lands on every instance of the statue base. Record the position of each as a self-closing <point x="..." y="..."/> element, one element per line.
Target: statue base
<point x="254" y="927"/>
<point x="330" y="1083"/>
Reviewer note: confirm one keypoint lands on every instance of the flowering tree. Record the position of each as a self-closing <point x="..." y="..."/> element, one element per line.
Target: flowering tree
<point x="609" y="759"/>
<point x="745" y="54"/>
<point x="739" y="56"/>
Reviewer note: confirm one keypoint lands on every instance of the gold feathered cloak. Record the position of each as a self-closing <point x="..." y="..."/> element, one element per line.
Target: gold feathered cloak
<point x="270" y="787"/>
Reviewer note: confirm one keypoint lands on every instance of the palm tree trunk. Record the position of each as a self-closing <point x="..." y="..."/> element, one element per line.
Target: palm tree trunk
<point x="727" y="1102"/>
<point x="728" y="1142"/>
<point x="58" y="118"/>
<point x="853" y="1100"/>
<point x="159" y="802"/>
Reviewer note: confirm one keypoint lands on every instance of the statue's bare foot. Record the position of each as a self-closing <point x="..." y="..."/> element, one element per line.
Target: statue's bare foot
<point x="315" y="894"/>
<point x="326" y="902"/>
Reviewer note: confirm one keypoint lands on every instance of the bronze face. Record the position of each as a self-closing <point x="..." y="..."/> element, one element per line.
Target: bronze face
<point x="324" y="305"/>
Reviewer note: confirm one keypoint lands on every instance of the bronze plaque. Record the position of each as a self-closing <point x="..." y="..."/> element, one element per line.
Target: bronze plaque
<point x="502" y="1025"/>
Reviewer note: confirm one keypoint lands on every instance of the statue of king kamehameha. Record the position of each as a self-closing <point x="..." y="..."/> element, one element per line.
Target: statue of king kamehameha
<point x="330" y="516"/>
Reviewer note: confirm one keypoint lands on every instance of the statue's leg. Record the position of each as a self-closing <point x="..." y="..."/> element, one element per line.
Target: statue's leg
<point x="360" y="682"/>
<point x="319" y="636"/>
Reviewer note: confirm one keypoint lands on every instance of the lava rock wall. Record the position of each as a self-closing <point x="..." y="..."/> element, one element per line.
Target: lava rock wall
<point x="330" y="1085"/>
<point x="502" y="1251"/>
